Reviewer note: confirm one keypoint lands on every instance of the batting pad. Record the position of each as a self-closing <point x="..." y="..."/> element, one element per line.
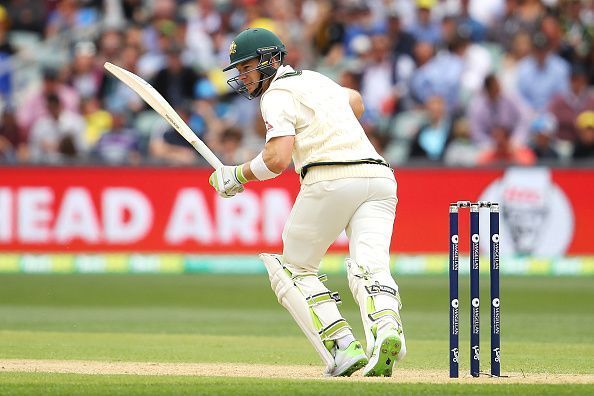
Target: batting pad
<point x="378" y="299"/>
<point x="311" y="305"/>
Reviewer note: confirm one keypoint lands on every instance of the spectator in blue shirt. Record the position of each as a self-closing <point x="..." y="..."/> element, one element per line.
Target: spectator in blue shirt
<point x="542" y="75"/>
<point x="425" y="29"/>
<point x="476" y="30"/>
<point x="440" y="77"/>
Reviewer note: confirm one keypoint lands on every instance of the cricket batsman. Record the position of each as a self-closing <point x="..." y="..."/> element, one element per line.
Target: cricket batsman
<point x="345" y="185"/>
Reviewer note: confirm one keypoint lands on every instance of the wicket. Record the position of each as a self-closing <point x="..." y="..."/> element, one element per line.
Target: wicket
<point x="474" y="288"/>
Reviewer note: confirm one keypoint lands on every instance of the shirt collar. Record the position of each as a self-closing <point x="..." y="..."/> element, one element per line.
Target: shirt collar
<point x="283" y="69"/>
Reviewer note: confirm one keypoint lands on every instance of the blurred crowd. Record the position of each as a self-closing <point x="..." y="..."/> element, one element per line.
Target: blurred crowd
<point x="454" y="82"/>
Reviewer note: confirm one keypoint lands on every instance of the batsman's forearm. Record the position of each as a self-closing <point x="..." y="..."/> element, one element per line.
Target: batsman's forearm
<point x="247" y="172"/>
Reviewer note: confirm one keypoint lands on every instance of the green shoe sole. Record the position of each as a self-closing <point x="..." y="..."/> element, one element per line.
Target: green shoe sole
<point x="388" y="353"/>
<point x="359" y="364"/>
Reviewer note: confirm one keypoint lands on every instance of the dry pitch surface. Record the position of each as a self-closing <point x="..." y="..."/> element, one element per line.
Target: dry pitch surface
<point x="270" y="371"/>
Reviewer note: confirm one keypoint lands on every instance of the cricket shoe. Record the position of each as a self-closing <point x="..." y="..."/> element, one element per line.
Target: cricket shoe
<point x="349" y="360"/>
<point x="386" y="351"/>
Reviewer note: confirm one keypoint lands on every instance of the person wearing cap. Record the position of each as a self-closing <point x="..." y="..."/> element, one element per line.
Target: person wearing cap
<point x="345" y="185"/>
<point x="85" y="72"/>
<point x="425" y="29"/>
<point x="543" y="129"/>
<point x="584" y="147"/>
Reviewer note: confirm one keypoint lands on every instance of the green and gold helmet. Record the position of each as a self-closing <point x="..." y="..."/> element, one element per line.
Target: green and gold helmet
<point x="255" y="43"/>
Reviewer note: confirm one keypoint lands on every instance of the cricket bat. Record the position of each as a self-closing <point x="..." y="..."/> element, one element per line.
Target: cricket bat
<point x="160" y="105"/>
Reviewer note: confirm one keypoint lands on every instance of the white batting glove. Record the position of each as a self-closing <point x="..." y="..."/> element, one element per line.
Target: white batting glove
<point x="227" y="180"/>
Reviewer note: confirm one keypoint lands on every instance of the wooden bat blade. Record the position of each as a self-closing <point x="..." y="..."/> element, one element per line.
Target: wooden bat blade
<point x="154" y="99"/>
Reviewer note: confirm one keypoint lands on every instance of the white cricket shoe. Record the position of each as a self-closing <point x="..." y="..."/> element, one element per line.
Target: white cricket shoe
<point x="349" y="360"/>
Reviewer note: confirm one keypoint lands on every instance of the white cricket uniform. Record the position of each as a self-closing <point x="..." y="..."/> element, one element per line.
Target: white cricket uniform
<point x="360" y="198"/>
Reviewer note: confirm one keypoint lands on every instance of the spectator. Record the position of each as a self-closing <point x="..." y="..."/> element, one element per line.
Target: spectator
<point x="465" y="22"/>
<point x="175" y="81"/>
<point x="119" y="145"/>
<point x="231" y="150"/>
<point x="543" y="129"/>
<point x="28" y="15"/>
<point x="327" y="28"/>
<point x="385" y="80"/>
<point x="423" y="52"/>
<point x="402" y="42"/>
<point x="6" y="61"/>
<point x="506" y="28"/>
<point x="86" y="75"/>
<point x="359" y="24"/>
<point x="34" y="106"/>
<point x="161" y="23"/>
<point x="567" y="105"/>
<point x="334" y="62"/>
<point x="116" y="94"/>
<point x="584" y="147"/>
<point x="460" y="150"/>
<point x="440" y="76"/>
<point x="425" y="29"/>
<point x="169" y="147"/>
<point x="504" y="152"/>
<point x="492" y="108"/>
<point x="97" y="120"/>
<point x="58" y="135"/>
<point x="551" y="29"/>
<point x="530" y="13"/>
<point x="432" y="138"/>
<point x="110" y="44"/>
<point x="542" y="75"/>
<point x="521" y="47"/>
<point x="13" y="146"/>
<point x="159" y="56"/>
<point x="72" y="19"/>
<point x="210" y="116"/>
<point x="578" y="34"/>
<point x="477" y="64"/>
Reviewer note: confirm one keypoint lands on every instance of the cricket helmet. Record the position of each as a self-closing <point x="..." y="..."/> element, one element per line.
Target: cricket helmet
<point x="255" y="43"/>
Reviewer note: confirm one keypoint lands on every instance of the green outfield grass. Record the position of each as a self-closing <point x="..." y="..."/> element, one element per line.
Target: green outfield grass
<point x="547" y="327"/>
<point x="54" y="384"/>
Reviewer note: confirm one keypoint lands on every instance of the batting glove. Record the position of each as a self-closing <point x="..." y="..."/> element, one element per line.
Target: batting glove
<point x="228" y="180"/>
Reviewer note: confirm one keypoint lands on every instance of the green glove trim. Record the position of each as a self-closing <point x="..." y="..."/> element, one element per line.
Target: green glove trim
<point x="239" y="174"/>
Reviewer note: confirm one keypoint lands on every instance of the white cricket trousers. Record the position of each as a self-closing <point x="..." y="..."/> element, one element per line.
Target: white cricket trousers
<point x="365" y="207"/>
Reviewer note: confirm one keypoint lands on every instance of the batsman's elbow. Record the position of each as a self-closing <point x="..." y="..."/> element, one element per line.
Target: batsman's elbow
<point x="278" y="164"/>
<point x="356" y="102"/>
<point x="277" y="153"/>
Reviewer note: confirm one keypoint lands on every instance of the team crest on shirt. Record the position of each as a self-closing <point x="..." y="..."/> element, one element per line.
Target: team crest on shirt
<point x="268" y="125"/>
<point x="232" y="48"/>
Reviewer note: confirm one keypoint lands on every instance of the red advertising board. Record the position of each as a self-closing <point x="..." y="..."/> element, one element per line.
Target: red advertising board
<point x="545" y="211"/>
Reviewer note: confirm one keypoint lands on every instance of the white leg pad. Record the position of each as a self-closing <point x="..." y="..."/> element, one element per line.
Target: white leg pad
<point x="310" y="304"/>
<point x="378" y="299"/>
